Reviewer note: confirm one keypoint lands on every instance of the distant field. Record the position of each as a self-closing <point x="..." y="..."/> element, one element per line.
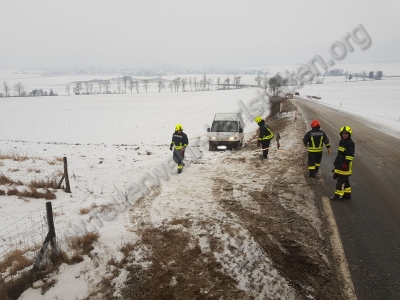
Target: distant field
<point x="380" y="98"/>
<point x="122" y="118"/>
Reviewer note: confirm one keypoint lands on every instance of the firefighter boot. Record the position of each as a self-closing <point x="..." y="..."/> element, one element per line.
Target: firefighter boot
<point x="316" y="170"/>
<point x="180" y="167"/>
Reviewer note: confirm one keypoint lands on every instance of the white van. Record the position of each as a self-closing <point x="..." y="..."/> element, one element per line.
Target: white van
<point x="226" y="131"/>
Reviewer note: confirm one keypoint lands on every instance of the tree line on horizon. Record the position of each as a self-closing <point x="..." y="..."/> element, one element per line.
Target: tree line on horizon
<point x="277" y="81"/>
<point x="126" y="82"/>
<point x="19" y="88"/>
<point x="349" y="75"/>
<point x="272" y="83"/>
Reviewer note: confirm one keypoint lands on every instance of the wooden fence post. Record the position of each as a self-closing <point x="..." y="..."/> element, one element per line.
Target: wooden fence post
<point x="52" y="230"/>
<point x="50" y="238"/>
<point x="67" y="187"/>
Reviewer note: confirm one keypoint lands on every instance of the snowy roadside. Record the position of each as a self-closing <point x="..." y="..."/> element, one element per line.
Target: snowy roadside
<point x="253" y="221"/>
<point x="230" y="226"/>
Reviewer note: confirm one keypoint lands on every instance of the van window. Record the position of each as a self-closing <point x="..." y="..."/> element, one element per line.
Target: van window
<point x="224" y="126"/>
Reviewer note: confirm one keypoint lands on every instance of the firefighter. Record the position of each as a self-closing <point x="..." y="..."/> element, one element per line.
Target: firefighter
<point x="265" y="136"/>
<point x="344" y="164"/>
<point x="315" y="139"/>
<point x="180" y="141"/>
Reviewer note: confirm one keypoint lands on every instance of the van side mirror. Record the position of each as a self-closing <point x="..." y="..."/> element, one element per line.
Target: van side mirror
<point x="208" y="129"/>
<point x="240" y="130"/>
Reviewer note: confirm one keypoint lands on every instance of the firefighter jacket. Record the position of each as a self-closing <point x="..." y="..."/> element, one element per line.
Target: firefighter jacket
<point x="315" y="139"/>
<point x="344" y="160"/>
<point x="265" y="132"/>
<point x="180" y="140"/>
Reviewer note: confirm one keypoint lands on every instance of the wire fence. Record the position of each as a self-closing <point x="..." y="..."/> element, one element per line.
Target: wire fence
<point x="27" y="234"/>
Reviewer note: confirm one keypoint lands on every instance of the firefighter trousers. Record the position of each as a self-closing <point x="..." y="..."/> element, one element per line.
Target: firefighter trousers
<point x="265" y="147"/>
<point x="343" y="188"/>
<point x="314" y="162"/>
<point x="178" y="157"/>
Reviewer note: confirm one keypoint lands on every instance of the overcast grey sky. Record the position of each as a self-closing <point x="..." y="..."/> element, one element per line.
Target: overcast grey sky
<point x="219" y="33"/>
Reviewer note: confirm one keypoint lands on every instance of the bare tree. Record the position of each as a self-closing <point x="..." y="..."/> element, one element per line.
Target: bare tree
<point x="204" y="82"/>
<point x="78" y="88"/>
<point x="67" y="88"/>
<point x="100" y="83"/>
<point x="378" y="75"/>
<point x="195" y="83"/>
<point x="19" y="87"/>
<point x="275" y="83"/>
<point x="227" y="80"/>
<point x="184" y="83"/>
<point x="265" y="83"/>
<point x="218" y="81"/>
<point x="190" y="83"/>
<point x="131" y="85"/>
<point x="87" y="86"/>
<point x="119" y="87"/>
<point x="6" y="88"/>
<point x="170" y="85"/>
<point x="91" y="87"/>
<point x="209" y="83"/>
<point x="272" y="85"/>
<point x="371" y="75"/>
<point x="237" y="81"/>
<point x="125" y="79"/>
<point x="258" y="79"/>
<point x="145" y="84"/>
<point x="177" y="83"/>
<point x="136" y="86"/>
<point x="106" y="84"/>
<point x="160" y="85"/>
<point x="200" y="84"/>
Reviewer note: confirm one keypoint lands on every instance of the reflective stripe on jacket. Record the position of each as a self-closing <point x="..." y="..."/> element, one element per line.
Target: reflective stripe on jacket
<point x="315" y="139"/>
<point x="345" y="157"/>
<point x="265" y="132"/>
<point x="179" y="140"/>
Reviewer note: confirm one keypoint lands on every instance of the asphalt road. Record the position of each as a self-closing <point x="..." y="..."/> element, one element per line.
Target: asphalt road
<point x="369" y="223"/>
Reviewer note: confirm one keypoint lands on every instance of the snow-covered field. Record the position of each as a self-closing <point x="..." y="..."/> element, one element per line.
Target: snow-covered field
<point x="113" y="142"/>
<point x="110" y="135"/>
<point x="376" y="100"/>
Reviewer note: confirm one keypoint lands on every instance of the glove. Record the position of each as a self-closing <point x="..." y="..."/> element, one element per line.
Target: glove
<point x="170" y="148"/>
<point x="258" y="144"/>
<point x="345" y="167"/>
<point x="183" y="152"/>
<point x="335" y="176"/>
<point x="329" y="150"/>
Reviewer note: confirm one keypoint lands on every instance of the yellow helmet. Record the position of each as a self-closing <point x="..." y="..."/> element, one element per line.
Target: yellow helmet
<point x="178" y="127"/>
<point x="258" y="119"/>
<point x="346" y="129"/>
